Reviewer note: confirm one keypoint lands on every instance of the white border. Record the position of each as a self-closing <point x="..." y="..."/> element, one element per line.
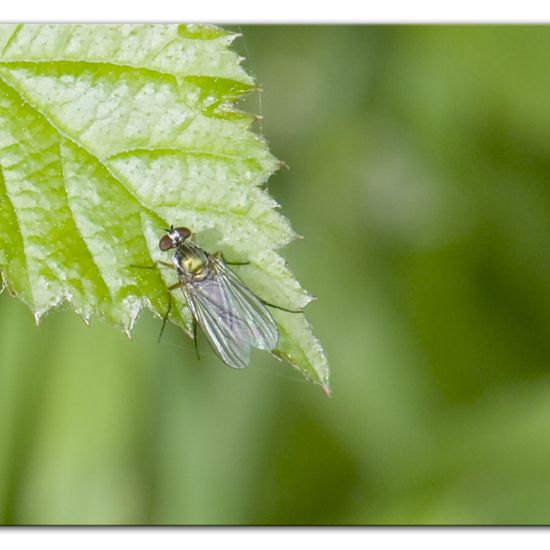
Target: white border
<point x="275" y="538"/>
<point x="279" y="11"/>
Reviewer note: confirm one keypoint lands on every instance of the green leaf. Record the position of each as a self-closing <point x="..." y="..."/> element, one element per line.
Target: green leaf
<point x="109" y="133"/>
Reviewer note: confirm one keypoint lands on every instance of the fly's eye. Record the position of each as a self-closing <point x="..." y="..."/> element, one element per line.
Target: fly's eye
<point x="182" y="232"/>
<point x="166" y="243"/>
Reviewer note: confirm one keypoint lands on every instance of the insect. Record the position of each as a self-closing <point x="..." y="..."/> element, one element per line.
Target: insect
<point x="231" y="316"/>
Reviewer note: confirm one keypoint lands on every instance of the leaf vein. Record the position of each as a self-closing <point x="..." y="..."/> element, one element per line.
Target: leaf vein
<point x="12" y="38"/>
<point x="77" y="229"/>
<point x="18" y="228"/>
<point x="70" y="138"/>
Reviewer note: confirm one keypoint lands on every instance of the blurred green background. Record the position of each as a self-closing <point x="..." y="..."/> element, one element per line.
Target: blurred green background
<point x="420" y="177"/>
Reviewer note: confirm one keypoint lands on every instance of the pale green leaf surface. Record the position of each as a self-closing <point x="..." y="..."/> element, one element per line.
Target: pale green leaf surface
<point x="109" y="133"/>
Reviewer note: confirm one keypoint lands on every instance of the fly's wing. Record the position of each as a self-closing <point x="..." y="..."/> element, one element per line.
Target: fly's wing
<point x="224" y="329"/>
<point x="262" y="330"/>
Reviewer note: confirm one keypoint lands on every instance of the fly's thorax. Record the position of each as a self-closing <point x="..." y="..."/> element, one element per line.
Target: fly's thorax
<point x="191" y="262"/>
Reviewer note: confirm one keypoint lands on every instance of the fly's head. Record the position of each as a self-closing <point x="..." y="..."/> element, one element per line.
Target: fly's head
<point x="189" y="260"/>
<point x="173" y="238"/>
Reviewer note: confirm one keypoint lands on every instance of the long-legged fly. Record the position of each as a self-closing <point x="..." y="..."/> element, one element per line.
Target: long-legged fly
<point x="231" y="316"/>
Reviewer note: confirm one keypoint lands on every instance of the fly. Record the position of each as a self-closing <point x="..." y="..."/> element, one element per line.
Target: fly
<point x="231" y="316"/>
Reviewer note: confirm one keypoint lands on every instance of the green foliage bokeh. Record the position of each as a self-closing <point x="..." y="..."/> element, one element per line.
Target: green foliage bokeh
<point x="419" y="176"/>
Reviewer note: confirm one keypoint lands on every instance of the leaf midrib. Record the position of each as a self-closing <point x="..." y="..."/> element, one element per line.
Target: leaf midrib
<point x="119" y="67"/>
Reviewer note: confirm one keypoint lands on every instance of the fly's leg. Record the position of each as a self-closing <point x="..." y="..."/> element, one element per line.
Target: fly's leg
<point x="165" y="318"/>
<point x="143" y="266"/>
<point x="195" y="338"/>
<point x="154" y="266"/>
<point x="177" y="285"/>
<point x="280" y="307"/>
<point x="219" y="254"/>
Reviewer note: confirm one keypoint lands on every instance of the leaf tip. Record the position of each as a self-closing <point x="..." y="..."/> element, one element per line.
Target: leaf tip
<point x="283" y="164"/>
<point x="231" y="36"/>
<point x="38" y="317"/>
<point x="327" y="389"/>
